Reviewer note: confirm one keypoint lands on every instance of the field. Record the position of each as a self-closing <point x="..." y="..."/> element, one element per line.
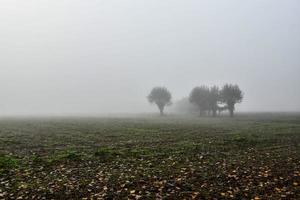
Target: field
<point x="255" y="156"/>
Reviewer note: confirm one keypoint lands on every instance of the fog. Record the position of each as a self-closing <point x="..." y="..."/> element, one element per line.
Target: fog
<point x="99" y="57"/>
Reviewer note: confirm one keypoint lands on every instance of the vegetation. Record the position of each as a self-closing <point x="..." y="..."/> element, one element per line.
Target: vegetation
<point x="213" y="100"/>
<point x="247" y="157"/>
<point x="230" y="95"/>
<point x="161" y="97"/>
<point x="207" y="100"/>
<point x="200" y="97"/>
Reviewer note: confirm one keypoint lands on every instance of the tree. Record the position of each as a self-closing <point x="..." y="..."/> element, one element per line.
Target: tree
<point x="230" y="95"/>
<point x="200" y="97"/>
<point x="161" y="97"/>
<point x="213" y="99"/>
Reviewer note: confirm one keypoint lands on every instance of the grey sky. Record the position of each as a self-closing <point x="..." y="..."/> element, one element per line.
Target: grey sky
<point x="71" y="56"/>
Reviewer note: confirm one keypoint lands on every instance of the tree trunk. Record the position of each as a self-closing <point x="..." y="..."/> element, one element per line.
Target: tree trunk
<point x="161" y="112"/>
<point x="161" y="108"/>
<point x="231" y="112"/>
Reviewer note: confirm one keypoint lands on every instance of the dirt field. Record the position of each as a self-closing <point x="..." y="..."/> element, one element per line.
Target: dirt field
<point x="249" y="157"/>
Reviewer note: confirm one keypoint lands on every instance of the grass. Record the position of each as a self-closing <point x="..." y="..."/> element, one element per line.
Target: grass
<point x="7" y="162"/>
<point x="251" y="156"/>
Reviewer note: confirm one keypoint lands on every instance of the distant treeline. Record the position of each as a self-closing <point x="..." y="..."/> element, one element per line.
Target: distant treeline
<point x="203" y="99"/>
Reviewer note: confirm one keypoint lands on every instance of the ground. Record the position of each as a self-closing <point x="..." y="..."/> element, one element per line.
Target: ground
<point x="255" y="156"/>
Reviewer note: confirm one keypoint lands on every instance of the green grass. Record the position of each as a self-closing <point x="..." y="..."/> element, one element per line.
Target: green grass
<point x="154" y="157"/>
<point x="7" y="162"/>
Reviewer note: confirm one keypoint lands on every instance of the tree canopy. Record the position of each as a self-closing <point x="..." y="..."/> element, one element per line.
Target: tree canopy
<point x="200" y="97"/>
<point x="230" y="95"/>
<point x="161" y="97"/>
<point x="212" y="99"/>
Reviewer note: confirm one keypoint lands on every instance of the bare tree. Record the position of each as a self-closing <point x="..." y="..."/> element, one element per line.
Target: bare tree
<point x="161" y="97"/>
<point x="231" y="94"/>
<point x="200" y="97"/>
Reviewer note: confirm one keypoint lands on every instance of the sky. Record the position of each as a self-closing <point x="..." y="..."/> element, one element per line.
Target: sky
<point x="92" y="57"/>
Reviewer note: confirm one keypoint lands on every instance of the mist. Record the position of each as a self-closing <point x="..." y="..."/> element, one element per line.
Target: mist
<point x="101" y="57"/>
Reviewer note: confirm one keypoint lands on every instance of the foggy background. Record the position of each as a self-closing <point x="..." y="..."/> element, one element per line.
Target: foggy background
<point x="92" y="57"/>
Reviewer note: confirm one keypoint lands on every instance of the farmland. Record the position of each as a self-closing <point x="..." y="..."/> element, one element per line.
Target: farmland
<point x="255" y="156"/>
